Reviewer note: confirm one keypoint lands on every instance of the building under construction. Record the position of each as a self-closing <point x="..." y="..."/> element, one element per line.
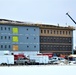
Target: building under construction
<point x="17" y="36"/>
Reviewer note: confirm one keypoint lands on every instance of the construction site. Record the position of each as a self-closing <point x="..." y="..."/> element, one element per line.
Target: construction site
<point x="24" y="43"/>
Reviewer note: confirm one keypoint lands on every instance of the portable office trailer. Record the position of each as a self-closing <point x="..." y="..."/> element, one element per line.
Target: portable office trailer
<point x="40" y="59"/>
<point x="6" y="59"/>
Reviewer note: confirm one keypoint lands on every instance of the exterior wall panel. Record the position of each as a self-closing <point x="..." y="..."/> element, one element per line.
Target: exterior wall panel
<point x="56" y="41"/>
<point x="26" y="38"/>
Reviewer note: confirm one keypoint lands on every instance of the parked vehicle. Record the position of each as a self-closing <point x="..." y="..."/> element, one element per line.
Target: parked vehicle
<point x="40" y="59"/>
<point x="72" y="59"/>
<point x="20" y="59"/>
<point x="6" y="60"/>
<point x="57" y="60"/>
<point x="46" y="54"/>
<point x="31" y="62"/>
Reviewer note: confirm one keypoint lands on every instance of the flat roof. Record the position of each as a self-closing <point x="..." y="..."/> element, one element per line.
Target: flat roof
<point x="20" y="23"/>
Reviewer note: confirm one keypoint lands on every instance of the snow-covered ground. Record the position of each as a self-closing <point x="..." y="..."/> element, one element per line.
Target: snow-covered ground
<point x="38" y="70"/>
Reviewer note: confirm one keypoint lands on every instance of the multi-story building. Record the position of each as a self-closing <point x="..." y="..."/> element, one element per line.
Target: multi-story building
<point x="17" y="36"/>
<point x="56" y="39"/>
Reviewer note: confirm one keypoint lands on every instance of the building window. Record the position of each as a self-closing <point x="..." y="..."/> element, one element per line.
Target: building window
<point x="60" y="32"/>
<point x="15" y="47"/>
<point x="1" y="37"/>
<point x="9" y="37"/>
<point x="54" y="31"/>
<point x="15" y="38"/>
<point x="44" y="31"/>
<point x="48" y="31"/>
<point x="27" y="29"/>
<point x="15" y="30"/>
<point x="34" y="46"/>
<point x="27" y="37"/>
<point x="48" y="39"/>
<point x="5" y="46"/>
<point x="8" y="28"/>
<point x="66" y="32"/>
<point x="63" y="32"/>
<point x="70" y="40"/>
<point x="5" y="28"/>
<point x="9" y="46"/>
<point x="27" y="46"/>
<point x="57" y="32"/>
<point x="69" y="32"/>
<point x="41" y="31"/>
<point x="1" y="46"/>
<point x="1" y="28"/>
<point x="34" y="38"/>
<point x="34" y="29"/>
<point x="5" y="37"/>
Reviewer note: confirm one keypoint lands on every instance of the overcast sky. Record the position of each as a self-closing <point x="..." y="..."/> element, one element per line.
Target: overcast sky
<point x="39" y="11"/>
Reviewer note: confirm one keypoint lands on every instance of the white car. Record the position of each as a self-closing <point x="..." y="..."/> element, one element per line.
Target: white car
<point x="57" y="60"/>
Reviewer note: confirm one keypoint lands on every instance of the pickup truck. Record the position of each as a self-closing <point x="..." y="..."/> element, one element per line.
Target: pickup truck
<point x="21" y="61"/>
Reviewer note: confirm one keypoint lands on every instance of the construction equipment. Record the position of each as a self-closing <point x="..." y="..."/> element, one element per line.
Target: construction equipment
<point x="70" y="17"/>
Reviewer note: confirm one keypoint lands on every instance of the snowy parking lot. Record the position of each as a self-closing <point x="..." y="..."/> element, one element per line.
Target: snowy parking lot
<point x="38" y="70"/>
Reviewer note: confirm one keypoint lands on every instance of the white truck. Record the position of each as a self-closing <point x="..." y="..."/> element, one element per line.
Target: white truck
<point x="6" y="59"/>
<point x="72" y="59"/>
<point x="40" y="59"/>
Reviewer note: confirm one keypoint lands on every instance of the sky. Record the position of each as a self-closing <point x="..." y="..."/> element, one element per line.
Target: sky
<point x="40" y="11"/>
